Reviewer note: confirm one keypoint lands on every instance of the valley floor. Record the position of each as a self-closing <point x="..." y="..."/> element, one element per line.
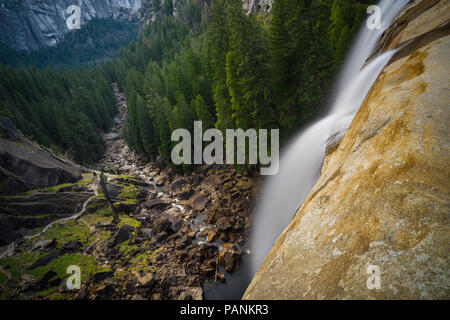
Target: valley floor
<point x="175" y="233"/>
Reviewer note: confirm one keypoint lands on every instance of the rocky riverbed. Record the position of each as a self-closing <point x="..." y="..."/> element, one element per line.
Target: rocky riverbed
<point x="174" y="231"/>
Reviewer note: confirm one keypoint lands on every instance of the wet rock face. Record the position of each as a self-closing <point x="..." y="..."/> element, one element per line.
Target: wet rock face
<point x="382" y="199"/>
<point x="25" y="165"/>
<point x="30" y="25"/>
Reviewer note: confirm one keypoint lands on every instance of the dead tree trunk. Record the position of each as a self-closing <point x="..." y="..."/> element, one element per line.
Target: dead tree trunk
<point x="108" y="199"/>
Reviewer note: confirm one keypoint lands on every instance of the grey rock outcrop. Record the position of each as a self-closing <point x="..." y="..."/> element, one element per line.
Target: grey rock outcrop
<point x="258" y="6"/>
<point x="33" y="24"/>
<point x="24" y="165"/>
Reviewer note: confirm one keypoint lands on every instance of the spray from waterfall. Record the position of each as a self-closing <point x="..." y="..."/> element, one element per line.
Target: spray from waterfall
<point x="302" y="160"/>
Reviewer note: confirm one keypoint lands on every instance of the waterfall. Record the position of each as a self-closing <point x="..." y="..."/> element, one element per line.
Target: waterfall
<point x="302" y="160"/>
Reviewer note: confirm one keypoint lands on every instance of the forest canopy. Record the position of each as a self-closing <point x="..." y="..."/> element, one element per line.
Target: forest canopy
<point x="232" y="70"/>
<point x="219" y="65"/>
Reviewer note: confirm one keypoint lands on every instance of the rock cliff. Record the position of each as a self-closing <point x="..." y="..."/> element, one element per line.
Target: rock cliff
<point x="25" y="165"/>
<point x="383" y="196"/>
<point x="258" y="6"/>
<point x="33" y="24"/>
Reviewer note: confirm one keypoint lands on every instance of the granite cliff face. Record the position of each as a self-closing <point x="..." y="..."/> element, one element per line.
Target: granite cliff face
<point x="147" y="12"/>
<point x="258" y="6"/>
<point x="24" y="165"/>
<point x="33" y="24"/>
<point x="383" y="195"/>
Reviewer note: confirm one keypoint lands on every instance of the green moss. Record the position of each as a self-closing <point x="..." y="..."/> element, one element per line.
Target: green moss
<point x="97" y="217"/>
<point x="127" y="220"/>
<point x="52" y="189"/>
<point x="129" y="192"/>
<point x="3" y="277"/>
<point x="87" y="266"/>
<point x="137" y="262"/>
<point x="100" y="192"/>
<point x="57" y="296"/>
<point x="71" y="230"/>
<point x="87" y="178"/>
<point x="18" y="263"/>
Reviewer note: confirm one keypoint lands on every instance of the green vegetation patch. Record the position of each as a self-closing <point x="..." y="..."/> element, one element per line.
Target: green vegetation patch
<point x="71" y="230"/>
<point x="127" y="220"/>
<point x="87" y="266"/>
<point x="18" y="263"/>
<point x="139" y="261"/>
<point x="129" y="192"/>
<point x="3" y="277"/>
<point x="86" y="179"/>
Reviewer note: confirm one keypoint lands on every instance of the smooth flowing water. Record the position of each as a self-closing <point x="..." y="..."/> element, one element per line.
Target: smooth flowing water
<point x="302" y="160"/>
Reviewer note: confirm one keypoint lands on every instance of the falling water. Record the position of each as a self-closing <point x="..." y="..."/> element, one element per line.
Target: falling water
<point x="302" y="160"/>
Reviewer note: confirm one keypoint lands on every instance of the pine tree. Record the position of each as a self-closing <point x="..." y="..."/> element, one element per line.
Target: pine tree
<point x="149" y="138"/>
<point x="218" y="47"/>
<point x="203" y="113"/>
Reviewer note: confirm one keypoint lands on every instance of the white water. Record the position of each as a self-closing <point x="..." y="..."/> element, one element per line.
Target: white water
<point x="302" y="160"/>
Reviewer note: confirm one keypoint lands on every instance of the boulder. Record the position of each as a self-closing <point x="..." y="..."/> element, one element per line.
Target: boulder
<point x="196" y="180"/>
<point x="157" y="203"/>
<point x="191" y="293"/>
<point x="49" y="279"/>
<point x="211" y="236"/>
<point x="104" y="292"/>
<point x="177" y="223"/>
<point x="156" y="296"/>
<point x="182" y="241"/>
<point x="160" y="163"/>
<point x="146" y="280"/>
<point x="145" y="233"/>
<point x="159" y="237"/>
<point x="199" y="202"/>
<point x="100" y="276"/>
<point x="43" y="244"/>
<point x="113" y="189"/>
<point x="186" y="195"/>
<point x="125" y="207"/>
<point x="160" y="180"/>
<point x="213" y="181"/>
<point x="223" y="224"/>
<point x="122" y="235"/>
<point x="45" y="260"/>
<point x="178" y="184"/>
<point x="162" y="224"/>
<point x="71" y="246"/>
<point x="229" y="256"/>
